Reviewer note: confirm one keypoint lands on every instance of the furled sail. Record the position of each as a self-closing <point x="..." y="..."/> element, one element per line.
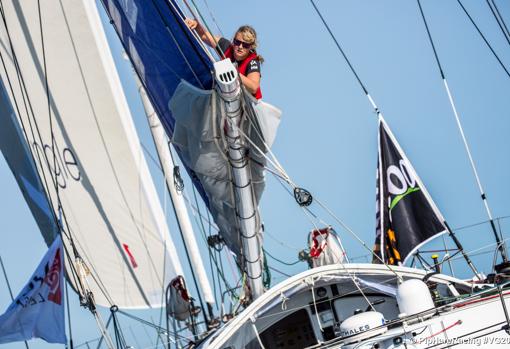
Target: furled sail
<point x="406" y="215"/>
<point x="85" y="144"/>
<point x="197" y="134"/>
<point x="177" y="75"/>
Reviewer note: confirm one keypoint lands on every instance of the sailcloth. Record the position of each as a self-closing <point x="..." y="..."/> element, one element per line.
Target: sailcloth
<point x="406" y="215"/>
<point x="17" y="154"/>
<point x="177" y="75"/>
<point x="85" y="146"/>
<point x="38" y="310"/>
<point x="164" y="53"/>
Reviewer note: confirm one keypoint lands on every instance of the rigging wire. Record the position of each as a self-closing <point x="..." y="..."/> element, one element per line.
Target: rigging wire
<point x="280" y="261"/>
<point x="54" y="151"/>
<point x="175" y="12"/>
<point x="326" y="208"/>
<point x="479" y="223"/>
<point x="213" y="258"/>
<point x="120" y="339"/>
<point x="497" y="16"/>
<point x="46" y="88"/>
<point x="380" y="117"/>
<point x="502" y="248"/>
<point x="200" y="223"/>
<point x="179" y="182"/>
<point x="483" y="37"/>
<point x="26" y="99"/>
<point x="213" y="18"/>
<point x="10" y="289"/>
<point x="339" y="47"/>
<point x="20" y="79"/>
<point x="501" y="18"/>
<point x="179" y="186"/>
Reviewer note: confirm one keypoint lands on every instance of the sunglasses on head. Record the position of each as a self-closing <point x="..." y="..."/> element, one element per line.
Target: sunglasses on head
<point x="241" y="44"/>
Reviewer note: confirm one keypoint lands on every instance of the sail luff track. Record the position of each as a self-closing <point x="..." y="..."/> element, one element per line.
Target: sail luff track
<point x="500" y="242"/>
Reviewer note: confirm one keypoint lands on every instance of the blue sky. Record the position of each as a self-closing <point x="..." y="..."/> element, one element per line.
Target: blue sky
<point x="327" y="141"/>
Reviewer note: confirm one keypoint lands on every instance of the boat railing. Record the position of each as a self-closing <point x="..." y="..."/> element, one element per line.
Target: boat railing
<point x="493" y="292"/>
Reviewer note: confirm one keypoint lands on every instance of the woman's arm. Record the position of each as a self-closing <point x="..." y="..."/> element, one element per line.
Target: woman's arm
<point x="206" y="37"/>
<point x="251" y="81"/>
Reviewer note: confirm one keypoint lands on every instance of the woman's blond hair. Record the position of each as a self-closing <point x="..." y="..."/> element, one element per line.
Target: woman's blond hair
<point x="250" y="36"/>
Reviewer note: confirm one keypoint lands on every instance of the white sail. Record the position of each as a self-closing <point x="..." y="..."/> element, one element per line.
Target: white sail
<point x="109" y="201"/>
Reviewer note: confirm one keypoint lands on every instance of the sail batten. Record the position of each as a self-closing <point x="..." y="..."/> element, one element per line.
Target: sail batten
<point x="92" y="151"/>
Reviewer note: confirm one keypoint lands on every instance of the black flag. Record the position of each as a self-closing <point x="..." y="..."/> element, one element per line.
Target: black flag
<point x="406" y="215"/>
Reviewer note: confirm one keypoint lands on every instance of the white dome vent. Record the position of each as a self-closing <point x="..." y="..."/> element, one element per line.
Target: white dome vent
<point x="357" y="327"/>
<point x="413" y="297"/>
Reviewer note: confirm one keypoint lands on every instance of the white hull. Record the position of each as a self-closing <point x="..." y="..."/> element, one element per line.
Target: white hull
<point x="305" y="312"/>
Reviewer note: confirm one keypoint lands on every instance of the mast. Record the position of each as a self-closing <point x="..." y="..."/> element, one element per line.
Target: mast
<point x="229" y="88"/>
<point x="181" y="212"/>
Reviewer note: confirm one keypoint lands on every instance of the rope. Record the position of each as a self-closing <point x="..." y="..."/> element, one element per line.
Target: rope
<point x="213" y="259"/>
<point x="279" y="260"/>
<point x="120" y="340"/>
<point x="202" y="229"/>
<point x="287" y="179"/>
<point x="280" y="272"/>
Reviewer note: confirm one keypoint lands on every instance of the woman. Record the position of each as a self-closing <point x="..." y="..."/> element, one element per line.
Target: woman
<point x="240" y="50"/>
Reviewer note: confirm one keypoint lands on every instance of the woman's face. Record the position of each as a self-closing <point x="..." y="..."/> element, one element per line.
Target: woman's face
<point x="241" y="47"/>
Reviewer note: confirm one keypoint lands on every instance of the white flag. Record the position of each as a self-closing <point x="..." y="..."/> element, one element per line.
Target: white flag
<point x="38" y="311"/>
